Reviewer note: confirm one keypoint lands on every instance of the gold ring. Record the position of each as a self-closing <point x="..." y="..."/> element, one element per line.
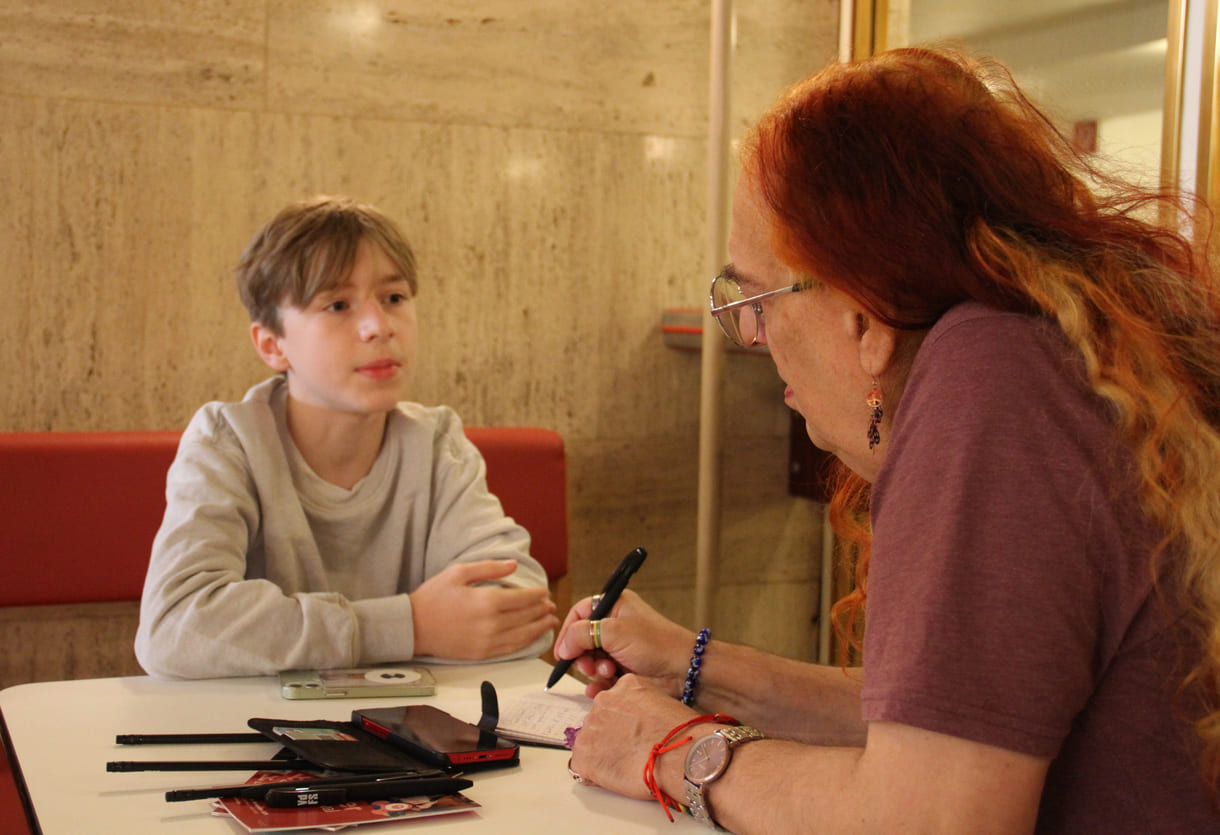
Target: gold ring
<point x="575" y="776"/>
<point x="595" y="633"/>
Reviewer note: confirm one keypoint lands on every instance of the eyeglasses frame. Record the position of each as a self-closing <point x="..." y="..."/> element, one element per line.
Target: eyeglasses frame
<point x="754" y="301"/>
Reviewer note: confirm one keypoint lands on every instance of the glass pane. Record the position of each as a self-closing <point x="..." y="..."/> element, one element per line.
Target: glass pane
<point x="1096" y="66"/>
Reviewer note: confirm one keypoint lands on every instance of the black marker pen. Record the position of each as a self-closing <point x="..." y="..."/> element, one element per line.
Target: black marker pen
<point x="609" y="596"/>
<point x="324" y="795"/>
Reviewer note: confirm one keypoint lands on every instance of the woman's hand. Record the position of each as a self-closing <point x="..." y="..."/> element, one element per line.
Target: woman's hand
<point x="635" y="638"/>
<point x="618" y="735"/>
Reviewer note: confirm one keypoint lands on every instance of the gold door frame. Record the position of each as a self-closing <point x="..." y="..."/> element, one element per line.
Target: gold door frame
<point x="1177" y="70"/>
<point x="868" y="19"/>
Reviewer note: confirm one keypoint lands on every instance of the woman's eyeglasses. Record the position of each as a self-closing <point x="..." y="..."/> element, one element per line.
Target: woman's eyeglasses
<point x="739" y="316"/>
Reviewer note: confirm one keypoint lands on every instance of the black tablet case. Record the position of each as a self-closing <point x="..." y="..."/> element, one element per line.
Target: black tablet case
<point x="340" y="746"/>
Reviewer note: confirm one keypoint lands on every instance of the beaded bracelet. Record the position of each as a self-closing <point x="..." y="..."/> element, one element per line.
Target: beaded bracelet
<point x="696" y="663"/>
<point x="664" y="747"/>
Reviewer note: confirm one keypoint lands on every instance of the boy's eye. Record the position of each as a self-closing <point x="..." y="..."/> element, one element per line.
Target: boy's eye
<point x="337" y="306"/>
<point x="398" y="298"/>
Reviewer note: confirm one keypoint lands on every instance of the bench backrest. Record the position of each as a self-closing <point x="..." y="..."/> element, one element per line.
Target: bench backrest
<point x="79" y="510"/>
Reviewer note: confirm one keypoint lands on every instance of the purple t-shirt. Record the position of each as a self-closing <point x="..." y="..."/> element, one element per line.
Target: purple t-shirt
<point x="1010" y="595"/>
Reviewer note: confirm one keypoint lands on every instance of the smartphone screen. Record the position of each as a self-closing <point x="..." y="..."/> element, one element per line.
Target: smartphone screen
<point x="430" y="732"/>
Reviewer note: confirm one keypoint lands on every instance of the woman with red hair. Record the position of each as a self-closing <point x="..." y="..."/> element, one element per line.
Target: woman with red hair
<point x="1016" y="360"/>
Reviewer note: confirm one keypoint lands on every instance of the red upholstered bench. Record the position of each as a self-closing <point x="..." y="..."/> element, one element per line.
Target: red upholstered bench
<point x="80" y="509"/>
<point x="527" y="469"/>
<point x="78" y="513"/>
<point x="13" y="820"/>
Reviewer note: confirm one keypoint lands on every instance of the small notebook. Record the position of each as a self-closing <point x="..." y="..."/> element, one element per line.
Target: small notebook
<point x="542" y="718"/>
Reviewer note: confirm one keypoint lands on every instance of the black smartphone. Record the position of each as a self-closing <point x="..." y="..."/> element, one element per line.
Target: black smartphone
<point x="437" y="737"/>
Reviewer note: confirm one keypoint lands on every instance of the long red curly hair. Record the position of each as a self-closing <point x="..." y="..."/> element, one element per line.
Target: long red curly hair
<point x="921" y="178"/>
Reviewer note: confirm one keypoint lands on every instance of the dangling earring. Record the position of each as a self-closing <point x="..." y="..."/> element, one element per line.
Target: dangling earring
<point x="874" y="416"/>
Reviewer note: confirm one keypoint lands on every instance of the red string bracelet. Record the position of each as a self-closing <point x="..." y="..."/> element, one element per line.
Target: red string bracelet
<point x="665" y="746"/>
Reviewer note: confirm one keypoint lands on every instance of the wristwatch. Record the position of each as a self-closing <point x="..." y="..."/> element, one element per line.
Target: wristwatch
<point x="707" y="761"/>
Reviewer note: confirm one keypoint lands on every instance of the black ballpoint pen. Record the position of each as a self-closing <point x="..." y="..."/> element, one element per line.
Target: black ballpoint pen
<point x="280" y="797"/>
<point x="385" y="785"/>
<point x="209" y="765"/>
<point x="186" y="739"/>
<point x="609" y="596"/>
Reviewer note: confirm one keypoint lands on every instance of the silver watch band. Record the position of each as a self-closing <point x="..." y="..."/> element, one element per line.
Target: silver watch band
<point x="696" y="799"/>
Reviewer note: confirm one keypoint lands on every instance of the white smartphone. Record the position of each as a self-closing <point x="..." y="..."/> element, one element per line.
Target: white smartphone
<point x="360" y="682"/>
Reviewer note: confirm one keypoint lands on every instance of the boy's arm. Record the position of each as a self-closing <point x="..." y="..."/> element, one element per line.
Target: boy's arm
<point x="468" y="525"/>
<point x="200" y="616"/>
<point x="468" y="522"/>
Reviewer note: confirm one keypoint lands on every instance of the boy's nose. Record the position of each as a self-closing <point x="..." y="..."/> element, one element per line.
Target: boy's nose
<point x="374" y="322"/>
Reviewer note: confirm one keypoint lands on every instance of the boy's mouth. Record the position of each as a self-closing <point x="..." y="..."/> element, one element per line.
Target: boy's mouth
<point x="380" y="369"/>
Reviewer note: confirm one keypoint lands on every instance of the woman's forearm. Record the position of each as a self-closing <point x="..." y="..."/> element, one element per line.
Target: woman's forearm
<point x="815" y="704"/>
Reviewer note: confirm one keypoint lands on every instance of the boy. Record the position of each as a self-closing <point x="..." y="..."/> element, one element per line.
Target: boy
<point x="319" y="522"/>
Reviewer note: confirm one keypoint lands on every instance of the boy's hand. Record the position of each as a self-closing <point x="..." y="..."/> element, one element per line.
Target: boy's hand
<point x="456" y="618"/>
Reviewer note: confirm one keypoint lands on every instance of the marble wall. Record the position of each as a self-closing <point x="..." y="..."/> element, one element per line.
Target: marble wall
<point x="547" y="161"/>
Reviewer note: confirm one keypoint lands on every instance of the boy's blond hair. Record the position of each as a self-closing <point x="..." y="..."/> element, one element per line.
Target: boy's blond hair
<point x="309" y="247"/>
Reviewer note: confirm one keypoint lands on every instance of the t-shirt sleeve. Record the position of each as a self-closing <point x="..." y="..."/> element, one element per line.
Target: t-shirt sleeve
<point x="992" y="525"/>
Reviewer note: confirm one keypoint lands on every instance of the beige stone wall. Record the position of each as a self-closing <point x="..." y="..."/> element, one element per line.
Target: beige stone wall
<point x="547" y="161"/>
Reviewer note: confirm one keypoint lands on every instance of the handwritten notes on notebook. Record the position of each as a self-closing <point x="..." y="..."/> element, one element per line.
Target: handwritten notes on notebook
<point x="544" y="718"/>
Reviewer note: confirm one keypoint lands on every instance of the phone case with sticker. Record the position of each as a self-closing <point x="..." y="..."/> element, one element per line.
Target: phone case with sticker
<point x="359" y="682"/>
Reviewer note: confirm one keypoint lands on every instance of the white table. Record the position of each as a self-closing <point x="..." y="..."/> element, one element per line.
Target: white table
<point x="63" y="736"/>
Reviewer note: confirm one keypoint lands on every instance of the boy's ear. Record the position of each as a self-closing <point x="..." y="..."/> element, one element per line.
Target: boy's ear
<point x="878" y="345"/>
<point x="267" y="343"/>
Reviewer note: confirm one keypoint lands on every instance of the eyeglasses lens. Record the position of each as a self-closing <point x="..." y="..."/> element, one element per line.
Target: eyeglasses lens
<point x="737" y="321"/>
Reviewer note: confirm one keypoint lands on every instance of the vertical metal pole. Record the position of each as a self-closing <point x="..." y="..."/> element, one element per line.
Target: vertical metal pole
<point x="1171" y="120"/>
<point x="848" y="11"/>
<point x="826" y="590"/>
<point x="1209" y="107"/>
<point x="711" y="382"/>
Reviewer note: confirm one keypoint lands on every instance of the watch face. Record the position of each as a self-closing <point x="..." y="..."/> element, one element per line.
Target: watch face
<point x="707" y="759"/>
